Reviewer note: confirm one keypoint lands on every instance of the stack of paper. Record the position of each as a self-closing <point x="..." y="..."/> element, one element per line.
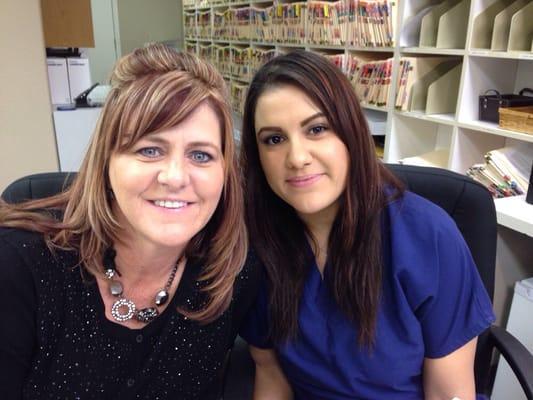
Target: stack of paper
<point x="262" y="28"/>
<point x="241" y="62"/>
<point x="371" y="23"/>
<point x="204" y="24"/>
<point x="190" y="24"/>
<point x="326" y="22"/>
<point x="436" y="158"/>
<point x="505" y="171"/>
<point x="338" y="59"/>
<point x="371" y="79"/>
<point x="259" y="57"/>
<point x="221" y="21"/>
<point x="289" y="22"/>
<point x="222" y="59"/>
<point x="190" y="47"/>
<point x="205" y="51"/>
<point x="238" y="95"/>
<point x="239" y="23"/>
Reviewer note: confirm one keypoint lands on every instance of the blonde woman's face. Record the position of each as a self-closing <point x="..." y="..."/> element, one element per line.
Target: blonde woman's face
<point x="168" y="185"/>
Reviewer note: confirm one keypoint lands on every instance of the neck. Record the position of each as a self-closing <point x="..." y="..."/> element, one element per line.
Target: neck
<point x="145" y="264"/>
<point x="319" y="226"/>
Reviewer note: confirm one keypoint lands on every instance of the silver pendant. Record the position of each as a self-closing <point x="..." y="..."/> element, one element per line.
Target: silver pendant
<point x="147" y="315"/>
<point x="161" y="297"/>
<point x="118" y="305"/>
<point x="116" y="289"/>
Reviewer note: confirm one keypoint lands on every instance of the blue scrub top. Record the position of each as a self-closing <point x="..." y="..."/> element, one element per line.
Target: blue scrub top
<point x="433" y="302"/>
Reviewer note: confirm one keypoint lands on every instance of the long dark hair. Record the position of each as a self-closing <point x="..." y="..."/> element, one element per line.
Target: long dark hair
<point x="279" y="236"/>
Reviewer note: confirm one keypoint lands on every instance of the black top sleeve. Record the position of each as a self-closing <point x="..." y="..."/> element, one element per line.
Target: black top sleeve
<point x="17" y="331"/>
<point x="249" y="281"/>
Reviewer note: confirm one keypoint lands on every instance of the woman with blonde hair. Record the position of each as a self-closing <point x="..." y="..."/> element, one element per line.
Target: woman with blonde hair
<point x="138" y="289"/>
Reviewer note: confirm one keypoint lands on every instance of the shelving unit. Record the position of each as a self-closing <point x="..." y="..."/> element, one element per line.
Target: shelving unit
<point x="459" y="30"/>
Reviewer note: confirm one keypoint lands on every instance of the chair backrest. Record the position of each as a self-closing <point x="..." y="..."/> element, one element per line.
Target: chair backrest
<point x="37" y="186"/>
<point x="472" y="208"/>
<point x="469" y="204"/>
<point x="466" y="201"/>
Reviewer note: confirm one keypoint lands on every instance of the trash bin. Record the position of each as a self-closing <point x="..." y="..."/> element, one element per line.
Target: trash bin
<point x="520" y="325"/>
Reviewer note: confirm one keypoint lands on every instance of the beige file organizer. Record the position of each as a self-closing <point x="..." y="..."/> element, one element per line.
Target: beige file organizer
<point x="418" y="98"/>
<point x="451" y="32"/>
<point x="502" y="25"/>
<point x="418" y="68"/>
<point x="521" y="29"/>
<point x="430" y="23"/>
<point x="442" y="93"/>
<point x="484" y="24"/>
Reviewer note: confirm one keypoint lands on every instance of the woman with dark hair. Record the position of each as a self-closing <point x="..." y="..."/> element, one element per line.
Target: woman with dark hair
<point x="138" y="289"/>
<point x="370" y="290"/>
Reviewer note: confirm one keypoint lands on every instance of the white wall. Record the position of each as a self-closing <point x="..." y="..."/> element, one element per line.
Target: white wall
<point x="27" y="139"/>
<point x="142" y="21"/>
<point x="104" y="54"/>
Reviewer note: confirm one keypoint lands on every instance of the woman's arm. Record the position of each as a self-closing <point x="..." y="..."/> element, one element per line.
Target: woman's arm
<point x="452" y="375"/>
<point x="270" y="382"/>
<point x="17" y="333"/>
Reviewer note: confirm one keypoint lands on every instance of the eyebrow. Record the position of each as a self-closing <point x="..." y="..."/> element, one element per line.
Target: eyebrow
<point x="153" y="137"/>
<point x="303" y="123"/>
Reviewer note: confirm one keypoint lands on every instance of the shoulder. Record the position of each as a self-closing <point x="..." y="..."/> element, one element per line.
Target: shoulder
<point x="412" y="214"/>
<point x="422" y="240"/>
<point x="18" y="243"/>
<point x="251" y="271"/>
<point x="247" y="284"/>
<point x="15" y="259"/>
<point x="25" y="250"/>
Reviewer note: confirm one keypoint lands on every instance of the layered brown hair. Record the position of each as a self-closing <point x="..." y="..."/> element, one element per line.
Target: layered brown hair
<point x="279" y="236"/>
<point x="152" y="89"/>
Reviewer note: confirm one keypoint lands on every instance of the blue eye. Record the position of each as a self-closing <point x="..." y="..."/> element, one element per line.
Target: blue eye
<point x="201" y="157"/>
<point x="150" y="152"/>
<point x="318" y="129"/>
<point x="273" y="139"/>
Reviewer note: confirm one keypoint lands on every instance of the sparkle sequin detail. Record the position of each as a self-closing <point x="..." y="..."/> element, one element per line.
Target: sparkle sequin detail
<point x="82" y="355"/>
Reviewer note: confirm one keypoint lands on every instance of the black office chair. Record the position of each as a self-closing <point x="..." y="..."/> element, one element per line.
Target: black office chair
<point x="466" y="201"/>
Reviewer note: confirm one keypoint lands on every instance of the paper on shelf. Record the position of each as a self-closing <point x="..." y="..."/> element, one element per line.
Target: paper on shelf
<point x="515" y="162"/>
<point x="435" y="158"/>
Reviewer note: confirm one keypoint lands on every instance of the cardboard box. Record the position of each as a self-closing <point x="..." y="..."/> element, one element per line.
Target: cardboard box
<point x="518" y="119"/>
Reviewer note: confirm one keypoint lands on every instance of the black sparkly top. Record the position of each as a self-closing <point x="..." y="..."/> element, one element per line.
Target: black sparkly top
<point x="56" y="343"/>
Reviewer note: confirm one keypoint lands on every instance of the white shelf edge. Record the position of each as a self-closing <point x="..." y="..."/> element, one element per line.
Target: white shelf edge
<point x="513" y="55"/>
<point x="445" y="119"/>
<point x="433" y="50"/>
<point x="493" y="129"/>
<point x="370" y="49"/>
<point x="515" y="213"/>
<point x="373" y="107"/>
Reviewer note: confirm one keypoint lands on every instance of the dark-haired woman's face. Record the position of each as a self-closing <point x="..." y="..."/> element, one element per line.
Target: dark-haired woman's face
<point x="305" y="162"/>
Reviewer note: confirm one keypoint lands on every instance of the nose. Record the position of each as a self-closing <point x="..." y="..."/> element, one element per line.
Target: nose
<point x="299" y="154"/>
<point x="174" y="174"/>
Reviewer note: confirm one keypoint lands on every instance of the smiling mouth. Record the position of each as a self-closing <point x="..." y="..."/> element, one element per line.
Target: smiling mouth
<point x="304" y="180"/>
<point x="170" y="204"/>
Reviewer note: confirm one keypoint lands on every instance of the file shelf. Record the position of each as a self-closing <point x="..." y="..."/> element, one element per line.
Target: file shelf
<point x="441" y="127"/>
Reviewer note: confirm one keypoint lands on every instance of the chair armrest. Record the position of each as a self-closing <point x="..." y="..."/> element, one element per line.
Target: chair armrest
<point x="517" y="356"/>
